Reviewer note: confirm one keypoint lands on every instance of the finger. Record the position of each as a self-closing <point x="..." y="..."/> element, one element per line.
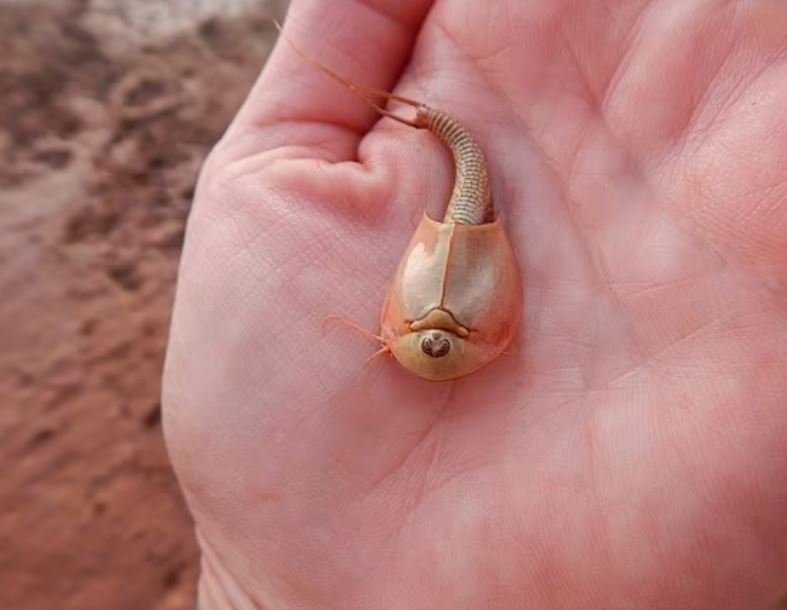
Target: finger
<point x="366" y="41"/>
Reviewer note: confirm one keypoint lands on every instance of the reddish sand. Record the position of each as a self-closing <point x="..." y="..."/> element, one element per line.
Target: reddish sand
<point x="104" y="120"/>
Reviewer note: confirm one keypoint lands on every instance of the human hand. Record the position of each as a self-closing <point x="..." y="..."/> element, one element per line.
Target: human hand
<point x="632" y="452"/>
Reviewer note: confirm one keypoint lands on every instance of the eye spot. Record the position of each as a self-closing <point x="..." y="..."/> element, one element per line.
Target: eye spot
<point x="435" y="345"/>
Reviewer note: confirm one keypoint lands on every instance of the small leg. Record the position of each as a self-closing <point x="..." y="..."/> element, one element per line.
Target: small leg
<point x="511" y="350"/>
<point x="359" y="329"/>
<point x="383" y="350"/>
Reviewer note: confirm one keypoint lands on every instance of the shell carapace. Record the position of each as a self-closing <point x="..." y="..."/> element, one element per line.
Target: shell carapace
<point x="455" y="302"/>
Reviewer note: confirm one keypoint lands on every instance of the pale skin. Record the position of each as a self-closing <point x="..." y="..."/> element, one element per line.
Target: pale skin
<point x="631" y="451"/>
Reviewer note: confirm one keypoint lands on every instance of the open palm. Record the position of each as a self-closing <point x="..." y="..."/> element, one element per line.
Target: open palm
<point x="631" y="453"/>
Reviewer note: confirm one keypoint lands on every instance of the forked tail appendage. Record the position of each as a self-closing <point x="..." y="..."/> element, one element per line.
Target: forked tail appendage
<point x="362" y="91"/>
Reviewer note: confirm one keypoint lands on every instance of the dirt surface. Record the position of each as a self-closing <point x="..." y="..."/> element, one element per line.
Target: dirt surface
<point x="106" y="110"/>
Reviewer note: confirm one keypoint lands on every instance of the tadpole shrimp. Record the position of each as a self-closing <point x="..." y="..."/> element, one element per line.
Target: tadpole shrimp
<point x="455" y="302"/>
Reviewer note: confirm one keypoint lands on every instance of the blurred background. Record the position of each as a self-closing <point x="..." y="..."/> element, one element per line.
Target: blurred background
<point x="107" y="108"/>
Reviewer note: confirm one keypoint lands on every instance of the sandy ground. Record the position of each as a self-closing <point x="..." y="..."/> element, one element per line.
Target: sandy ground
<point x="107" y="108"/>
